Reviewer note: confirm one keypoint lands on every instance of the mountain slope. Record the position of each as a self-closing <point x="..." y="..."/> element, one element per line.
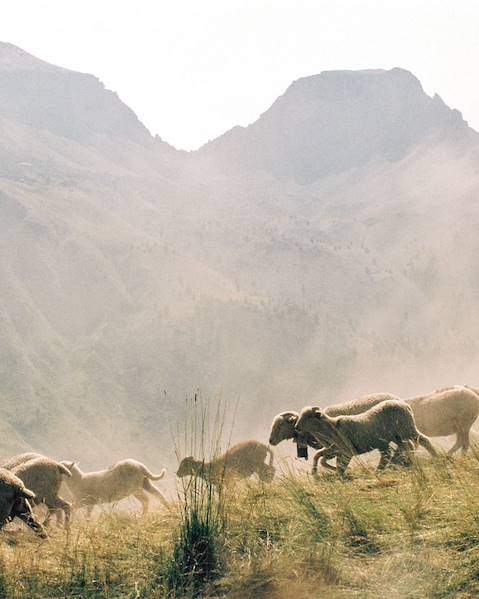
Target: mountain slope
<point x="54" y="122"/>
<point x="328" y="249"/>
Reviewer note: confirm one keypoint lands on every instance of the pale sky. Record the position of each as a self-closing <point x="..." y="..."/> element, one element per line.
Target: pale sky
<point x="192" y="69"/>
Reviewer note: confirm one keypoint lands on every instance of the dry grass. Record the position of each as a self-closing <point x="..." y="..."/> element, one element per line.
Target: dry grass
<point x="406" y="534"/>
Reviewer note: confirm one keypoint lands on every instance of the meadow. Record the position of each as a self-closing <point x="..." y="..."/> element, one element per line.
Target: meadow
<point x="406" y="533"/>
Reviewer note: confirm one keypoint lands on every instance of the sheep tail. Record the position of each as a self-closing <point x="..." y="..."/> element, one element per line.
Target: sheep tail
<point x="64" y="470"/>
<point x="152" y="476"/>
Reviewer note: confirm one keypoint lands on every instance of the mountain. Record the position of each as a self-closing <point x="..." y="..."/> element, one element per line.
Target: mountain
<point x="335" y="121"/>
<point x="64" y="103"/>
<point x="329" y="249"/>
<point x="54" y="121"/>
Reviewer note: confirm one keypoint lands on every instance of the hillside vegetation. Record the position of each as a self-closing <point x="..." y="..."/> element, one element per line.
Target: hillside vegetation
<point x="326" y="251"/>
<point x="404" y="534"/>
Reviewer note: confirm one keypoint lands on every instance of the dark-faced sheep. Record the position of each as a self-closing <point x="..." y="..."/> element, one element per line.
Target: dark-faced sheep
<point x="123" y="479"/>
<point x="283" y="426"/>
<point x="240" y="461"/>
<point x="388" y="422"/>
<point x="15" y="502"/>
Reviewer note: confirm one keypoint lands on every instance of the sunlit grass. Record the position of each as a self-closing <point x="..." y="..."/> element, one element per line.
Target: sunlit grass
<point x="407" y="533"/>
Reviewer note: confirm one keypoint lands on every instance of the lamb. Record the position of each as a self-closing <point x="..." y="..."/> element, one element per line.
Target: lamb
<point x="240" y="461"/>
<point x="283" y="426"/>
<point x="15" y="502"/>
<point x="390" y="421"/>
<point x="447" y="412"/>
<point x="44" y="477"/>
<point x="123" y="479"/>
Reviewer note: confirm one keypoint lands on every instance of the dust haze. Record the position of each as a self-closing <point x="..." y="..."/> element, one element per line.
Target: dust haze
<point x="326" y="251"/>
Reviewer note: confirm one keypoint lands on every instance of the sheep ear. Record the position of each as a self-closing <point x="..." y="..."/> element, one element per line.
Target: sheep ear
<point x="317" y="412"/>
<point x="288" y="416"/>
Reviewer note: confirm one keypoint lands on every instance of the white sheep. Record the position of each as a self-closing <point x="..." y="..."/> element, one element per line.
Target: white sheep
<point x="123" y="479"/>
<point x="240" y="461"/>
<point x="283" y="426"/>
<point x="15" y="502"/>
<point x="44" y="477"/>
<point x="447" y="412"/>
<point x="388" y="422"/>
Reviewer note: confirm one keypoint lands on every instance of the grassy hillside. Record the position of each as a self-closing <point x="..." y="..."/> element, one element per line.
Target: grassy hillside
<point x="411" y="534"/>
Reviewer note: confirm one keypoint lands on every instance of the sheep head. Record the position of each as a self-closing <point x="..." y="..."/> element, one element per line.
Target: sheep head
<point x="308" y="418"/>
<point x="187" y="467"/>
<point x="313" y="421"/>
<point x="72" y="467"/>
<point x="282" y="427"/>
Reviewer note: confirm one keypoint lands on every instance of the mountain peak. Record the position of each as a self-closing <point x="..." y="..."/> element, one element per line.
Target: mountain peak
<point x="13" y="58"/>
<point x="361" y="78"/>
<point x="70" y="105"/>
<point x="337" y="120"/>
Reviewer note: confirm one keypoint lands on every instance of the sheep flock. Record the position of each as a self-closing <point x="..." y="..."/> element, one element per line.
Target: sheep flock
<point x="395" y="427"/>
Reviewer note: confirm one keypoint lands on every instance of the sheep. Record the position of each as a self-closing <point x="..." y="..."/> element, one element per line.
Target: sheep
<point x="19" y="459"/>
<point x="240" y="461"/>
<point x="44" y="477"/>
<point x="283" y="426"/>
<point x="125" y="478"/>
<point x="447" y="412"/>
<point x="390" y="421"/>
<point x="15" y="502"/>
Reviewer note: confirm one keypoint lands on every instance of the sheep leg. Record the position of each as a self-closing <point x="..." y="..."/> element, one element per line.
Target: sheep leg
<point x="271" y="457"/>
<point x="325" y="464"/>
<point x="58" y="515"/>
<point x="265" y="473"/>
<point x="402" y="455"/>
<point x="143" y="499"/>
<point x="148" y="486"/>
<point x="385" y="458"/>
<point x="463" y="437"/>
<point x="46" y="522"/>
<point x="59" y="506"/>
<point x="343" y="462"/>
<point x="424" y="441"/>
<point x="456" y="446"/>
<point x="324" y="454"/>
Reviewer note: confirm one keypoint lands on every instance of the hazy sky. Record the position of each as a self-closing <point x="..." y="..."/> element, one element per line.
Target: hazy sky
<point x="191" y="69"/>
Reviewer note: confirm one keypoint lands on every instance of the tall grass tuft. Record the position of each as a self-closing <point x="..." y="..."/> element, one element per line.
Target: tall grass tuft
<point x="197" y="557"/>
